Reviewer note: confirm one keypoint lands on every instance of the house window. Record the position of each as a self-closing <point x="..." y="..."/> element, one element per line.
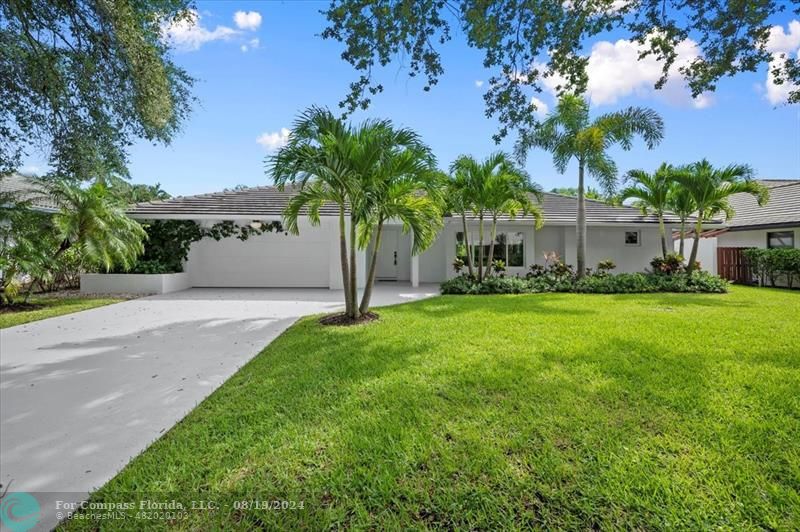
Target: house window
<point x="633" y="238"/>
<point x="508" y="247"/>
<point x="780" y="239"/>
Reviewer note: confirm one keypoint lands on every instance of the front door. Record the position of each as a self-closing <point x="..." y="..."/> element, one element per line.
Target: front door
<point x="387" y="255"/>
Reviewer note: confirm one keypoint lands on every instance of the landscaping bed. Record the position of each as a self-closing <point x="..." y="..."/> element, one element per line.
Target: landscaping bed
<point x="554" y="411"/>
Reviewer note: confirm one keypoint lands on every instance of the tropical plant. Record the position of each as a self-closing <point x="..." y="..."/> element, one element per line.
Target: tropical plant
<point x="651" y="194"/>
<point x="590" y="193"/>
<point x="399" y="182"/>
<point x="493" y="188"/>
<point x="710" y="188"/>
<point x="373" y="170"/>
<point x="681" y="203"/>
<point x="569" y="133"/>
<point x="94" y="221"/>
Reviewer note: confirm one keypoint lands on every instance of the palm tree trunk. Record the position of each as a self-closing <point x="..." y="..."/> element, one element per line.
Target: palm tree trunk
<point x="353" y="270"/>
<point x="480" y="247"/>
<point x="491" y="246"/>
<point x="693" y="257"/>
<point x="466" y="244"/>
<point x="662" y="230"/>
<point x="348" y="303"/>
<point x="581" y="230"/>
<point x="683" y="236"/>
<point x="364" y="308"/>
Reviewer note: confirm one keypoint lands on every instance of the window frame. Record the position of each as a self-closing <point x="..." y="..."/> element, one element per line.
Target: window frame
<point x="638" y="242"/>
<point x="504" y="252"/>
<point x="789" y="234"/>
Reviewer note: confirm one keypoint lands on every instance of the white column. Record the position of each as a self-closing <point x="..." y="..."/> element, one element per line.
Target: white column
<point x="414" y="264"/>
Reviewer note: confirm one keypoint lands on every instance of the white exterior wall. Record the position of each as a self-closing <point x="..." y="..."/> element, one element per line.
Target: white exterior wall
<point x="706" y="252"/>
<point x="753" y="239"/>
<point x="308" y="260"/>
<point x="134" y="283"/>
<point x="608" y="242"/>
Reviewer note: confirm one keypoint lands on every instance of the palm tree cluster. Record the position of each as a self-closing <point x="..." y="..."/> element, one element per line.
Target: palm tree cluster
<point x="696" y="190"/>
<point x="492" y="188"/>
<point x="373" y="172"/>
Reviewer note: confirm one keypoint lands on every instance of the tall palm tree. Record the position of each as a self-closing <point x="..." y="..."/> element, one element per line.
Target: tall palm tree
<point x="459" y="201"/>
<point x="400" y="183"/>
<point x="569" y="133"/>
<point x="681" y="203"/>
<point x="374" y="170"/>
<point x="94" y="221"/>
<point x="651" y="192"/>
<point x="492" y="187"/>
<point x="316" y="160"/>
<point x="711" y="188"/>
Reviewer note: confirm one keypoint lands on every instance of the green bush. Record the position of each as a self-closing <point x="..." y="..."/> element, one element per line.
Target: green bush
<point x="774" y="264"/>
<point x="604" y="283"/>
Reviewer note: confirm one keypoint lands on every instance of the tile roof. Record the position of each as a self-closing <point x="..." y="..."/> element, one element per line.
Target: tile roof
<point x="23" y="188"/>
<point x="269" y="202"/>
<point x="783" y="207"/>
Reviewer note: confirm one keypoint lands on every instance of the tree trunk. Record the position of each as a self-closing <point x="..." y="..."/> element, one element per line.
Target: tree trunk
<point x="683" y="236"/>
<point x="348" y="303"/>
<point x="364" y="308"/>
<point x="466" y="244"/>
<point x="491" y="246"/>
<point x="693" y="257"/>
<point x="353" y="270"/>
<point x="581" y="229"/>
<point x="480" y="247"/>
<point x="663" y="231"/>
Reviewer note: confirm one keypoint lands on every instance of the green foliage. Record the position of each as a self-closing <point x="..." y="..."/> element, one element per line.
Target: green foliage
<point x="774" y="264"/>
<point x="598" y="283"/>
<point x="40" y="307"/>
<point x="529" y="44"/>
<point x="590" y="193"/>
<point x="86" y="79"/>
<point x="671" y="264"/>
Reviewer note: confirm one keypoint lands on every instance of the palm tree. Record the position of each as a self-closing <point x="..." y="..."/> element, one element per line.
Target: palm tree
<point x="568" y="133"/>
<point x="493" y="187"/>
<point x="459" y="201"/>
<point x="94" y="221"/>
<point x="680" y="202"/>
<point x="373" y="170"/>
<point x="652" y="192"/>
<point x="316" y="161"/>
<point x="710" y="188"/>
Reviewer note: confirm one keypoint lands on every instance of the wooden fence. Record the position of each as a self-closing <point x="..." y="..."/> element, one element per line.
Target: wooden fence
<point x="732" y="265"/>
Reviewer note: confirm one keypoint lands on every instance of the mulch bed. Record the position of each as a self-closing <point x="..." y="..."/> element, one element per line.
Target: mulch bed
<point x="19" y="307"/>
<point x="343" y="320"/>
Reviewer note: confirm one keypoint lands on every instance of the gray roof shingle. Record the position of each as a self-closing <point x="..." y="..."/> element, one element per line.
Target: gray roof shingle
<point x="23" y="188"/>
<point x="783" y="207"/>
<point x="269" y="202"/>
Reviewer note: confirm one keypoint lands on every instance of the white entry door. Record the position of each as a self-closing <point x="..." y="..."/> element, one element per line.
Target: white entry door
<point x="387" y="255"/>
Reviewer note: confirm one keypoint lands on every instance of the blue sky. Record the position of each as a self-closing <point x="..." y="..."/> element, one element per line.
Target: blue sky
<point x="244" y="94"/>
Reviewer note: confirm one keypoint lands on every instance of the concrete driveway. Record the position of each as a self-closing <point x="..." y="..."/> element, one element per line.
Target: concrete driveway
<point x="82" y="394"/>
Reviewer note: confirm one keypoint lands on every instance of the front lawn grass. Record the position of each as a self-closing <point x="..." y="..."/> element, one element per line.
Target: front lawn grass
<point x="49" y="307"/>
<point x="657" y="411"/>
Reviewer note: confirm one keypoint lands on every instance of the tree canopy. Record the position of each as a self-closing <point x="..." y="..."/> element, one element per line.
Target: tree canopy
<point x="81" y="80"/>
<point x="532" y="44"/>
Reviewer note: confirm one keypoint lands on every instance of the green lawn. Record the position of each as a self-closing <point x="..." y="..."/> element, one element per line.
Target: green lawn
<point x="555" y="411"/>
<point x="52" y="306"/>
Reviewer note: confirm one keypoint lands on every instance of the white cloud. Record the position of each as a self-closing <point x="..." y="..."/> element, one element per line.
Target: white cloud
<point x="276" y="139"/>
<point x="782" y="45"/>
<point x="479" y="83"/>
<point x="541" y="108"/>
<point x="249" y="20"/>
<point x="252" y="44"/>
<point x="189" y="35"/>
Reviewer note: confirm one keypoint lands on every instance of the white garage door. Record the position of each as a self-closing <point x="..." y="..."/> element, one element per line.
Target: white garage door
<point x="269" y="260"/>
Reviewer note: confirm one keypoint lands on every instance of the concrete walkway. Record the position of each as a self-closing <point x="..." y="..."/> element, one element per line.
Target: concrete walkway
<point x="82" y="394"/>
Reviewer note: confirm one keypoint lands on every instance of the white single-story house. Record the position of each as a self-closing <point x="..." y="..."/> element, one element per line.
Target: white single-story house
<point x="776" y="224"/>
<point x="311" y="259"/>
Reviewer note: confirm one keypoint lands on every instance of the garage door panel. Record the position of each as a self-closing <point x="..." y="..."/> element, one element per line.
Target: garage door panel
<point x="269" y="260"/>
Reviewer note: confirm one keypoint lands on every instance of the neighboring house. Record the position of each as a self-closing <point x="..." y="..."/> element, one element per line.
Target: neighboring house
<point x="311" y="259"/>
<point x="22" y="188"/>
<point x="776" y="224"/>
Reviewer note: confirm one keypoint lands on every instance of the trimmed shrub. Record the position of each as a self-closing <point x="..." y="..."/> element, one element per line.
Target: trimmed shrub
<point x="622" y="283"/>
<point x="774" y="264"/>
